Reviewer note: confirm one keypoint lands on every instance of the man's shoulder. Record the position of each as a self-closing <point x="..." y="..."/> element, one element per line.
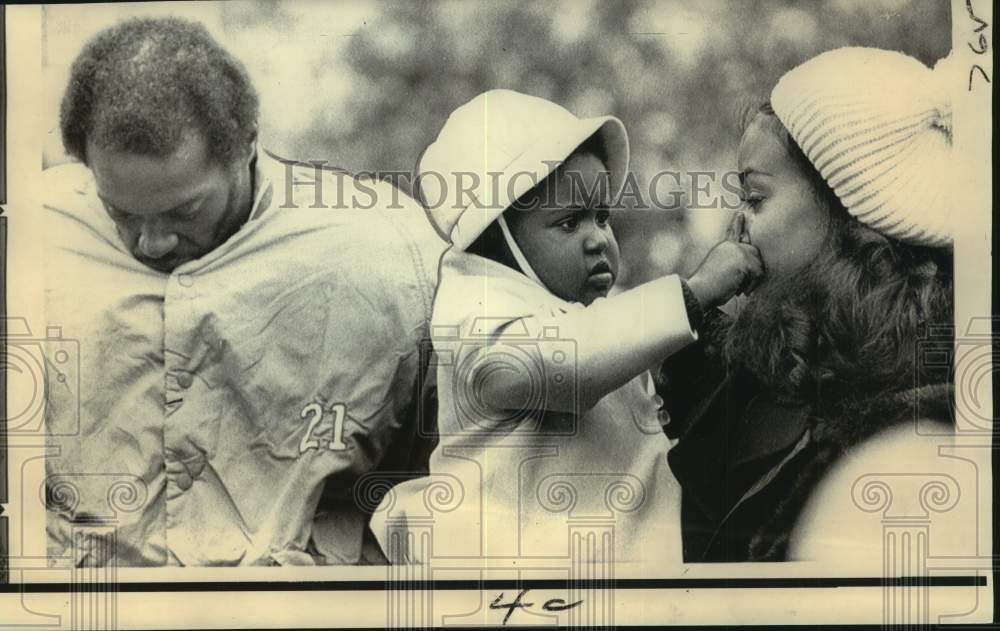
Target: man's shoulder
<point x="71" y="208"/>
<point x="320" y="184"/>
<point x="67" y="184"/>
<point x="343" y="198"/>
<point x="70" y="169"/>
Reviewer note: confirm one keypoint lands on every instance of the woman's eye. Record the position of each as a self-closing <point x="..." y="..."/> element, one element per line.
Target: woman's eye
<point x="752" y="202"/>
<point x="603" y="218"/>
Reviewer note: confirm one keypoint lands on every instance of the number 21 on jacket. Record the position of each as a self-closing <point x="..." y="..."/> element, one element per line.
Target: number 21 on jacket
<point x="315" y="413"/>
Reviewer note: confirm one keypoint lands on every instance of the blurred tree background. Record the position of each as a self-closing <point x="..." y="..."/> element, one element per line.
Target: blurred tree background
<point x="367" y="84"/>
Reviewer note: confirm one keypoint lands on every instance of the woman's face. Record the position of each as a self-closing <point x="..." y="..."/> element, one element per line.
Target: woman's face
<point x="566" y="233"/>
<point x="785" y="219"/>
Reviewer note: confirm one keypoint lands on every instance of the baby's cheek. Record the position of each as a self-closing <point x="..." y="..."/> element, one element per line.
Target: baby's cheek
<point x="614" y="255"/>
<point x="614" y="260"/>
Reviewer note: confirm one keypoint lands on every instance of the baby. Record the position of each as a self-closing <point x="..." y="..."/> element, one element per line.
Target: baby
<point x="548" y="421"/>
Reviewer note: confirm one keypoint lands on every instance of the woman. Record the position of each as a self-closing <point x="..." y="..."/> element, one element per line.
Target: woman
<point x="815" y="382"/>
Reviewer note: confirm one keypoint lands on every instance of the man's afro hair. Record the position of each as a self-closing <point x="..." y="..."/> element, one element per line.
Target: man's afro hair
<point x="140" y="85"/>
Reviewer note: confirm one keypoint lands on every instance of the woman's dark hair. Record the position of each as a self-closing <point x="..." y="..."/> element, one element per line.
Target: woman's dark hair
<point x="140" y="85"/>
<point x="849" y="324"/>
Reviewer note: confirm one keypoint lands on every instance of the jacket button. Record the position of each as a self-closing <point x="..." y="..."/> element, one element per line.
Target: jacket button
<point x="184" y="379"/>
<point x="183" y="480"/>
<point x="185" y="280"/>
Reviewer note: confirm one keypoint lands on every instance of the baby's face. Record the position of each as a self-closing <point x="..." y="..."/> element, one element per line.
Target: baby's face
<point x="566" y="234"/>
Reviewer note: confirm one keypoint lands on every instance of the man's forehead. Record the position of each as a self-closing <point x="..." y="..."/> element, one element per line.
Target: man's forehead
<point x="151" y="183"/>
<point x="190" y="145"/>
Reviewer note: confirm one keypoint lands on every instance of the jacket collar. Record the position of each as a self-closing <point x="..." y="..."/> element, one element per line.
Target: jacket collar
<point x="735" y="427"/>
<point x="769" y="427"/>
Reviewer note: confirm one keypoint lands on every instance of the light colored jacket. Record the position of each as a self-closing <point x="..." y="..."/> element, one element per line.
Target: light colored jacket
<point x="209" y="408"/>
<point x="567" y="464"/>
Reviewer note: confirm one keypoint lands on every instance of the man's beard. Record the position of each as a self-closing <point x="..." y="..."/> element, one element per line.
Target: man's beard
<point x="235" y="215"/>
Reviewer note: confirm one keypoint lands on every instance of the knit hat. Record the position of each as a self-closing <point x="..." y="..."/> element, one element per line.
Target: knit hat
<point x="876" y="124"/>
<point x="497" y="147"/>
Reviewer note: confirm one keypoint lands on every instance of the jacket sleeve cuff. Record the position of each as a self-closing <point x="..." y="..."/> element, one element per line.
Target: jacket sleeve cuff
<point x="695" y="313"/>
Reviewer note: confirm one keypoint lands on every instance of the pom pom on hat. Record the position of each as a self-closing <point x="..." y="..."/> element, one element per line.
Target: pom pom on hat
<point x="876" y="124"/>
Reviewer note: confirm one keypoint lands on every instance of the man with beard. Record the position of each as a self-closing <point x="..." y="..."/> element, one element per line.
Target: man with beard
<point x="244" y="356"/>
<point x="818" y="368"/>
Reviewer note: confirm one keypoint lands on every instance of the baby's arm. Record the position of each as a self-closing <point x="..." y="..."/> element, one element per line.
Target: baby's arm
<point x="612" y="341"/>
<point x="615" y="338"/>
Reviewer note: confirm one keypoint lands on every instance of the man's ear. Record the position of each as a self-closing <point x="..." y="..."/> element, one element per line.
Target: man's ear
<point x="250" y="148"/>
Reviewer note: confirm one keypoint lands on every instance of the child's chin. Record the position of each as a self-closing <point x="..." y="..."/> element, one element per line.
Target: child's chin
<point x="590" y="294"/>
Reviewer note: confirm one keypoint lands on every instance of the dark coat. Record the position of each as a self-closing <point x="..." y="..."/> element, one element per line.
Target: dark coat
<point x="748" y="463"/>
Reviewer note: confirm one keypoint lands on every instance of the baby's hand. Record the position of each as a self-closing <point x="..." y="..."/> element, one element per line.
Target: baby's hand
<point x="732" y="267"/>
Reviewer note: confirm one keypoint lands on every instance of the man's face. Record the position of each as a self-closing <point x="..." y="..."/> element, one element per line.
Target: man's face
<point x="174" y="209"/>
